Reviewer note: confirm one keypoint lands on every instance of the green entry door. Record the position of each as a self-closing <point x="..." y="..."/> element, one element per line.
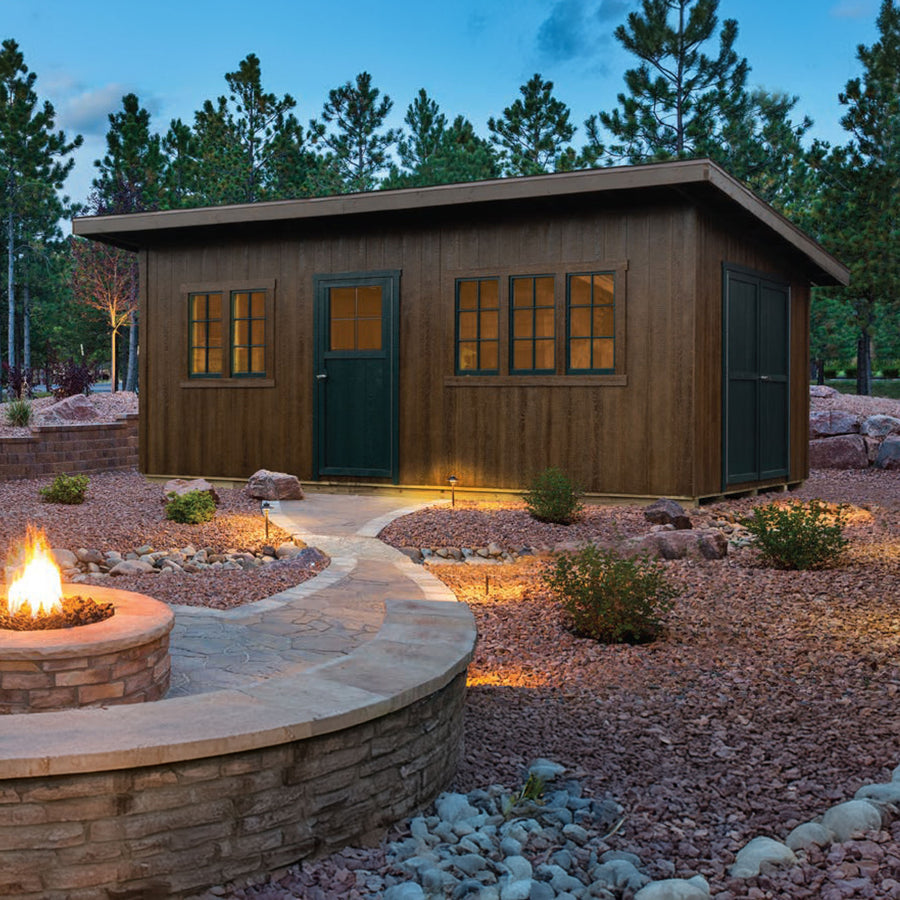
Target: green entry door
<point x="356" y="364"/>
<point x="756" y="377"/>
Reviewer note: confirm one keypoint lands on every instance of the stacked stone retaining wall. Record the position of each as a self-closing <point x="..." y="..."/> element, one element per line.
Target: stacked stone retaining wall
<point x="80" y="447"/>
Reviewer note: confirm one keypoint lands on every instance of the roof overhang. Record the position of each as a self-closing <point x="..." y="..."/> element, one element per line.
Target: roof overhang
<point x="700" y="179"/>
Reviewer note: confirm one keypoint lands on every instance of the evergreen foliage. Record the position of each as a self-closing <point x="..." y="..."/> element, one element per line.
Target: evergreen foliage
<point x="192" y="508"/>
<point x="798" y="535"/>
<point x="68" y="489"/>
<point x="553" y="497"/>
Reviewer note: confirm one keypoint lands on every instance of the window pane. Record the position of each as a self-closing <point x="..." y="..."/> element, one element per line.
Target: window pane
<point x="580" y="355"/>
<point x="214" y="333"/>
<point x="468" y="356"/>
<point x="523" y="323"/>
<point x="468" y="324"/>
<point x="258" y="359"/>
<point x="240" y="360"/>
<point x="543" y="289"/>
<point x="580" y="290"/>
<point x="604" y="286"/>
<point x="604" y="353"/>
<point x="214" y="364"/>
<point x="241" y="332"/>
<point x="523" y="292"/>
<point x="468" y="294"/>
<point x="522" y="354"/>
<point x="543" y="355"/>
<point x="543" y="323"/>
<point x="343" y="303"/>
<point x="198" y="334"/>
<point x="214" y="306"/>
<point x="490" y="294"/>
<point x="198" y="306"/>
<point x="198" y="362"/>
<point x="258" y="305"/>
<point x="490" y="325"/>
<point x="368" y="333"/>
<point x="368" y="300"/>
<point x="241" y="304"/>
<point x="580" y="323"/>
<point x="604" y="321"/>
<point x="343" y="334"/>
<point x="490" y="355"/>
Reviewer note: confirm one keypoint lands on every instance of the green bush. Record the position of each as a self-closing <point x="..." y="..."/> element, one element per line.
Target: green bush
<point x="18" y="412"/>
<point x="890" y="372"/>
<point x="850" y="372"/>
<point x="66" y="489"/>
<point x="553" y="497"/>
<point x="830" y="373"/>
<point x="191" y="508"/>
<point x="798" y="535"/>
<point x="611" y="598"/>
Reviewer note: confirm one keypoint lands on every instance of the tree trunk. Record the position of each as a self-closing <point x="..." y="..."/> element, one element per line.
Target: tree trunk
<point x="131" y="378"/>
<point x="864" y="364"/>
<point x="26" y="327"/>
<point x="820" y="371"/>
<point x="10" y="291"/>
<point x="112" y="363"/>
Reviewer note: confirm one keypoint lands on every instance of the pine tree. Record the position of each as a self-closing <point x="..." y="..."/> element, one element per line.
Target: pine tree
<point x="678" y="97"/>
<point x="179" y="176"/>
<point x="32" y="165"/>
<point x="861" y="204"/>
<point x="433" y="152"/>
<point x="357" y="146"/>
<point x="534" y="131"/>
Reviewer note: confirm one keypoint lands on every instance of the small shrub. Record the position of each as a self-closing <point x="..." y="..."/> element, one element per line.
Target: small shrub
<point x="18" y="381"/>
<point x="890" y="372"/>
<point x="18" y="412"/>
<point x="553" y="497"/>
<point x="798" y="535"/>
<point x="850" y="372"/>
<point x="70" y="378"/>
<point x="191" y="508"/>
<point x="830" y="373"/>
<point x="611" y="598"/>
<point x="66" y="489"/>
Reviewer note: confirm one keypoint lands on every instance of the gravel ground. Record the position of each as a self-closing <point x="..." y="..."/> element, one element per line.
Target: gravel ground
<point x="109" y="407"/>
<point x="123" y="511"/>
<point x="771" y="697"/>
<point x="861" y="406"/>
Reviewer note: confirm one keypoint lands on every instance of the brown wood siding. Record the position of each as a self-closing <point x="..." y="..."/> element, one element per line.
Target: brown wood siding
<point x="717" y="243"/>
<point x="657" y="433"/>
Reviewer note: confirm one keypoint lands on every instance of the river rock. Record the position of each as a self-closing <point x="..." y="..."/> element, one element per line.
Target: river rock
<point x="761" y="850"/>
<point x="65" y="559"/>
<point x="131" y="567"/>
<point x="880" y="793"/>
<point x="853" y="816"/>
<point x="696" y="888"/>
<point x="266" y="485"/>
<point x="807" y="834"/>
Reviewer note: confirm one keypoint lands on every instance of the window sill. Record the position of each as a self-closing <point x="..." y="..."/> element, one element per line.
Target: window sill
<point x="228" y="383"/>
<point x="536" y="381"/>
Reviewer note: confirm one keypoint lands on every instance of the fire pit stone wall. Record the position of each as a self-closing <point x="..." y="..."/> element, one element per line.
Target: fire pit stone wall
<point x="124" y="659"/>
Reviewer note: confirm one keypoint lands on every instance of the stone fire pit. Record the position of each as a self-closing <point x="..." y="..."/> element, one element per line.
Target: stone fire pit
<point x="124" y="659"/>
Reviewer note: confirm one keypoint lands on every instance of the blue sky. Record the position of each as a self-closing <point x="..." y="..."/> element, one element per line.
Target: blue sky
<point x="471" y="56"/>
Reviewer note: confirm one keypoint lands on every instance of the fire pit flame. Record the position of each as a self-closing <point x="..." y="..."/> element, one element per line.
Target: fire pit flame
<point x="38" y="587"/>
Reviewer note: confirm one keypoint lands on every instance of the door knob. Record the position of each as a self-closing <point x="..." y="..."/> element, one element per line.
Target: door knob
<point x="321" y="376"/>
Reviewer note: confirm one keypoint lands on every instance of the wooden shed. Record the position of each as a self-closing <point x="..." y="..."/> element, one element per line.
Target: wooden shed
<point x="645" y="329"/>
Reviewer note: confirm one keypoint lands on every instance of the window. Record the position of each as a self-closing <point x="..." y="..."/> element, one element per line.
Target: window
<point x="478" y="326"/>
<point x="229" y="333"/>
<point x="591" y="319"/>
<point x="532" y="325"/>
<point x="206" y="341"/>
<point x="355" y="320"/>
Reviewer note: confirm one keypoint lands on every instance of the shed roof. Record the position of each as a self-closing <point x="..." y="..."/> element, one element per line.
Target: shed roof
<point x="700" y="180"/>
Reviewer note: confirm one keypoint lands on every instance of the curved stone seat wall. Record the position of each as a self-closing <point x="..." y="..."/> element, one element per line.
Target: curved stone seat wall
<point x="165" y="799"/>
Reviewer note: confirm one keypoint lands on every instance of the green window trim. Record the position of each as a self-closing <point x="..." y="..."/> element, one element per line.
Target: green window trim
<point x="229" y="333"/>
<point x="532" y="324"/>
<point x="477" y="315"/>
<point x="591" y="324"/>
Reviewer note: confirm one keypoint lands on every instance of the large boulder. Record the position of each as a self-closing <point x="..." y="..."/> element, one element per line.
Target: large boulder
<point x="72" y="409"/>
<point x="846" y="451"/>
<point x="266" y="485"/>
<point x="706" y="544"/>
<point x="880" y="426"/>
<point x="822" y="390"/>
<point x="667" y="512"/>
<point x="829" y="422"/>
<point x="889" y="454"/>
<point x="182" y="486"/>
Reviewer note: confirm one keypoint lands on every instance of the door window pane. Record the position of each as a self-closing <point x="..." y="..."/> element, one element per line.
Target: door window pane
<point x="355" y="318"/>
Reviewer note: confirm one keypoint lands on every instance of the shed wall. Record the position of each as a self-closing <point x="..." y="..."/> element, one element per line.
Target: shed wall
<point x="635" y="437"/>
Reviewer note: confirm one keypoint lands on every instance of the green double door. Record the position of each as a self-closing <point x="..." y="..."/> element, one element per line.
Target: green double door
<point x="356" y="373"/>
<point x="756" y="377"/>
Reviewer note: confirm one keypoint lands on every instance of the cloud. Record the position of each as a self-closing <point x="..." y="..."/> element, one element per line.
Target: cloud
<point x="853" y="9"/>
<point x="88" y="111"/>
<point x="574" y="28"/>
